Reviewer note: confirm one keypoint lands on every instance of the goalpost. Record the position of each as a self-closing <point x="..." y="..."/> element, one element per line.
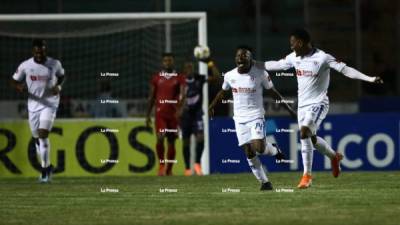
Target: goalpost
<point x="89" y="44"/>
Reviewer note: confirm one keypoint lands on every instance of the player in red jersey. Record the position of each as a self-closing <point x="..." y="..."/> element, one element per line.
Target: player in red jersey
<point x="166" y="91"/>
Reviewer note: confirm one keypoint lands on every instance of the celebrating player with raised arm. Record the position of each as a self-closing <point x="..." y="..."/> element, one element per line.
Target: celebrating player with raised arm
<point x="43" y="76"/>
<point x="312" y="69"/>
<point x="246" y="82"/>
<point x="166" y="91"/>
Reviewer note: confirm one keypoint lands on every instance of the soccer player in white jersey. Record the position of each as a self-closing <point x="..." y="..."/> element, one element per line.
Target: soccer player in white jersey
<point x="43" y="77"/>
<point x="247" y="82"/>
<point x="312" y="69"/>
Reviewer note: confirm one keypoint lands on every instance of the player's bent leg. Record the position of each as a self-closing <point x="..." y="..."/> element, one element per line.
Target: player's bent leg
<point x="322" y="146"/>
<point x="199" y="151"/>
<point x="273" y="150"/>
<point x="257" y="168"/>
<point x="307" y="155"/>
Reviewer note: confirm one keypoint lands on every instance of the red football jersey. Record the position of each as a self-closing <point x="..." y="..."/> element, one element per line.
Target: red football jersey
<point x="167" y="87"/>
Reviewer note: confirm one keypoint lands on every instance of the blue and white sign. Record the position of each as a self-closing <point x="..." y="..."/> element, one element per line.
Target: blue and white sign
<point x="368" y="141"/>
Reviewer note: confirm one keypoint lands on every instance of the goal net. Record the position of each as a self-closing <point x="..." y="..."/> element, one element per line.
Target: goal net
<point x="94" y="48"/>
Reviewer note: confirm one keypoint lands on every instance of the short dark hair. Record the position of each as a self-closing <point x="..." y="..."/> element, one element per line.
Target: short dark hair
<point x="38" y="43"/>
<point x="302" y="34"/>
<point x="168" y="54"/>
<point x="245" y="47"/>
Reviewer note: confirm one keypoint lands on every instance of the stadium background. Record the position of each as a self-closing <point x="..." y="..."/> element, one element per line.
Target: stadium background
<point x="364" y="34"/>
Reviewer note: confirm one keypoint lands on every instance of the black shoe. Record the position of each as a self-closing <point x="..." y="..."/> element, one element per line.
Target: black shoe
<point x="280" y="155"/>
<point x="43" y="178"/>
<point x="266" y="186"/>
<point x="49" y="172"/>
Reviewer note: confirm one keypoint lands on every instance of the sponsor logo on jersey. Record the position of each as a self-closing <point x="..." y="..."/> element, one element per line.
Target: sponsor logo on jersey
<point x="243" y="90"/>
<point x="39" y="78"/>
<point x="303" y="73"/>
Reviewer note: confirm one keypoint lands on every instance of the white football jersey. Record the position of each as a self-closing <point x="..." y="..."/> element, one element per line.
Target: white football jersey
<point x="40" y="78"/>
<point x="247" y="91"/>
<point x="312" y="73"/>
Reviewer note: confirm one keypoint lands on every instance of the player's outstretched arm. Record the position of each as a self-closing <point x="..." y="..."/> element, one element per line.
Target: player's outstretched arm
<point x="220" y="95"/>
<point x="355" y="74"/>
<point x="282" y="64"/>
<point x="277" y="96"/>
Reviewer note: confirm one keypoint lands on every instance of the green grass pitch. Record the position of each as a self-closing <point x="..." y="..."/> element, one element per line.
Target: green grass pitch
<point x="354" y="198"/>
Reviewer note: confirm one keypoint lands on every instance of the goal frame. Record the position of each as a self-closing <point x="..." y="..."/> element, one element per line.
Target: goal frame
<point x="201" y="17"/>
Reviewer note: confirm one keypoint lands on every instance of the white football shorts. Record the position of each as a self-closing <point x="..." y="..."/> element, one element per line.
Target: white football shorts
<point x="42" y="119"/>
<point x="250" y="130"/>
<point x="312" y="116"/>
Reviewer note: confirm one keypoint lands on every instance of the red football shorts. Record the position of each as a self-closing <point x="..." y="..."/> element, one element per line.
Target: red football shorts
<point x="166" y="125"/>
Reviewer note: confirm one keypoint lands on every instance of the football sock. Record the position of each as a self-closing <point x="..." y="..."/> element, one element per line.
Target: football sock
<point x="269" y="150"/>
<point x="323" y="147"/>
<point x="44" y="147"/>
<point x="186" y="156"/>
<point x="160" y="152"/>
<point x="199" y="150"/>
<point x="257" y="169"/>
<point x="37" y="146"/>
<point x="170" y="156"/>
<point x="307" y="154"/>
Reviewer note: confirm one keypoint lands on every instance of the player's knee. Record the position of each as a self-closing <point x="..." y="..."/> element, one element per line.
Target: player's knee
<point x="43" y="133"/>
<point x="171" y="139"/>
<point x="305" y="132"/>
<point x="314" y="139"/>
<point x="258" y="146"/>
<point x="160" y="138"/>
<point x="186" y="142"/>
<point x="200" y="137"/>
<point x="250" y="153"/>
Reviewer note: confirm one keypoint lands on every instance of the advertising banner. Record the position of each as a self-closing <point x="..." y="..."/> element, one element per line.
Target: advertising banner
<point x="368" y="141"/>
<point x="84" y="148"/>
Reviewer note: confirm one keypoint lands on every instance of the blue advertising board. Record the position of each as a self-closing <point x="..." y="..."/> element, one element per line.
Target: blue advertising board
<point x="368" y="141"/>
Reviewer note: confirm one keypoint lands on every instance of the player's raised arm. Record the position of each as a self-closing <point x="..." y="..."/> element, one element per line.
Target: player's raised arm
<point x="220" y="95"/>
<point x="351" y="72"/>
